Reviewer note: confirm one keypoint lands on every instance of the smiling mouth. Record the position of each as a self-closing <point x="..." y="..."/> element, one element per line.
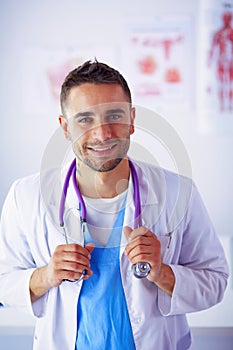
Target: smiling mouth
<point x="101" y="149"/>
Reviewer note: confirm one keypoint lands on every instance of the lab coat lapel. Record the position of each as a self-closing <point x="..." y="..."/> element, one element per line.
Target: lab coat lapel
<point x="149" y="204"/>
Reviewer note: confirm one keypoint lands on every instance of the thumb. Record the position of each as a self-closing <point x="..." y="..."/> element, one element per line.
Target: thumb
<point x="127" y="231"/>
<point x="90" y="247"/>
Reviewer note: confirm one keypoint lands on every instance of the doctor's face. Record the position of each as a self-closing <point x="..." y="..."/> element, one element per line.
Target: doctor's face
<point x="99" y="121"/>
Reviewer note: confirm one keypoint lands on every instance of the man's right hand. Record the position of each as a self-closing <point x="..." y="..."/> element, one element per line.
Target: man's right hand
<point x="67" y="263"/>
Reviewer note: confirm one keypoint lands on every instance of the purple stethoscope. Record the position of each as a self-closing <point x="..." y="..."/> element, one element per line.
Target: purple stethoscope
<point x="140" y="269"/>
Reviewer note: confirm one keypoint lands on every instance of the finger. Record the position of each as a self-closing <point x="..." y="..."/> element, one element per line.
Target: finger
<point x="78" y="249"/>
<point x="70" y="247"/>
<point x="72" y="259"/>
<point x="83" y="256"/>
<point x="142" y="235"/>
<point x="72" y="264"/>
<point x="140" y="242"/>
<point x="141" y="258"/>
<point x="73" y="276"/>
<point x="127" y="231"/>
<point x="140" y="231"/>
<point x="140" y="249"/>
<point x="80" y="255"/>
<point x="83" y="261"/>
<point x="90" y="247"/>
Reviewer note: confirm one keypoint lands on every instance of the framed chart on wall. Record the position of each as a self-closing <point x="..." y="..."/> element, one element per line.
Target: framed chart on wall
<point x="155" y="63"/>
<point x="44" y="70"/>
<point x="215" y="66"/>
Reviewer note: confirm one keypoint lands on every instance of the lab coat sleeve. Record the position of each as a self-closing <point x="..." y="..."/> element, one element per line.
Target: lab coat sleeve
<point x="201" y="272"/>
<point x="16" y="261"/>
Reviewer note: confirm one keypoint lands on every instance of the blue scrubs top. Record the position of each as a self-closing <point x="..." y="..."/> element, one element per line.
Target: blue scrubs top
<point x="102" y="314"/>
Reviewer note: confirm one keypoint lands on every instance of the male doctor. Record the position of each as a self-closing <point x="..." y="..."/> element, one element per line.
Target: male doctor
<point x="109" y="308"/>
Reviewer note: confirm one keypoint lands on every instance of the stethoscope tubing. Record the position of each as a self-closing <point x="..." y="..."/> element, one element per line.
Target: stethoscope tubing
<point x="140" y="269"/>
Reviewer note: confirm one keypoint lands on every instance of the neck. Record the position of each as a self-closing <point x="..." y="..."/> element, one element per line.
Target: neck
<point x="108" y="184"/>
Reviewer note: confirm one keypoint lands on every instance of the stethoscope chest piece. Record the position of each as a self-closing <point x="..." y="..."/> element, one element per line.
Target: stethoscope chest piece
<point x="141" y="269"/>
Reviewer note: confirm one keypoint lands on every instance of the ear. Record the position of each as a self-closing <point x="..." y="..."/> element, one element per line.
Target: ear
<point x="64" y="124"/>
<point x="132" y="118"/>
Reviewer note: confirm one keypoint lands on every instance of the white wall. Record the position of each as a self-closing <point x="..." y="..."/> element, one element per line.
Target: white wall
<point x="28" y="121"/>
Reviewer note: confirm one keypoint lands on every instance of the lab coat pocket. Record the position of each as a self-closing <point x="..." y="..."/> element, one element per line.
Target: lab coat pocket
<point x="165" y="241"/>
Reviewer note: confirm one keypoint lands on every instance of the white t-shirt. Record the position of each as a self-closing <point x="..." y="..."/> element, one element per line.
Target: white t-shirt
<point x="101" y="215"/>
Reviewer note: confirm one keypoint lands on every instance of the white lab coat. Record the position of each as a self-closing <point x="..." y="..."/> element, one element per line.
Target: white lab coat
<point x="30" y="233"/>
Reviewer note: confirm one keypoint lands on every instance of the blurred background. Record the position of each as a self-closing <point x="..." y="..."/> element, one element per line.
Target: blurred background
<point x="176" y="58"/>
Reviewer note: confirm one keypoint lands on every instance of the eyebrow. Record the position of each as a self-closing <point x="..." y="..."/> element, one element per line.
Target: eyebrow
<point x="83" y="114"/>
<point x="89" y="113"/>
<point x="114" y="111"/>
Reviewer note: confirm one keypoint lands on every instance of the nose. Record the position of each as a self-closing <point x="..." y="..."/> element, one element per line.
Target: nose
<point x="102" y="132"/>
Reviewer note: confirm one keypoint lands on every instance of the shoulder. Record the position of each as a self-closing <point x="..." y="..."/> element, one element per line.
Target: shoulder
<point x="159" y="175"/>
<point x="32" y="187"/>
<point x="26" y="183"/>
<point x="173" y="191"/>
<point x="24" y="187"/>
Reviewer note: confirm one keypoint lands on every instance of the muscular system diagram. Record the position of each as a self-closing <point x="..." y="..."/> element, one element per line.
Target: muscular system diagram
<point x="221" y="54"/>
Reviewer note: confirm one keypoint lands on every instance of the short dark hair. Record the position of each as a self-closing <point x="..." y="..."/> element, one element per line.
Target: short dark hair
<point x="95" y="73"/>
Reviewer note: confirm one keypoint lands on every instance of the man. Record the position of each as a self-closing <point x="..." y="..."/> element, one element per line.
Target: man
<point x="110" y="308"/>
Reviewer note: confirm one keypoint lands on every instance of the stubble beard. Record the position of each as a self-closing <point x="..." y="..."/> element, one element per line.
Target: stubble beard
<point x="101" y="165"/>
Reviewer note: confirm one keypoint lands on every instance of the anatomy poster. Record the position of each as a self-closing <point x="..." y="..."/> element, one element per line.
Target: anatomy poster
<point x="44" y="70"/>
<point x="215" y="65"/>
<point x="156" y="61"/>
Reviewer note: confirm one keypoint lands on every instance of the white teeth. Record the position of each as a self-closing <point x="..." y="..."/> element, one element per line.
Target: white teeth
<point x="102" y="149"/>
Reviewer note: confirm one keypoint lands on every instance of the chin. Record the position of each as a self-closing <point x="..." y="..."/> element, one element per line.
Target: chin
<point x="104" y="167"/>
